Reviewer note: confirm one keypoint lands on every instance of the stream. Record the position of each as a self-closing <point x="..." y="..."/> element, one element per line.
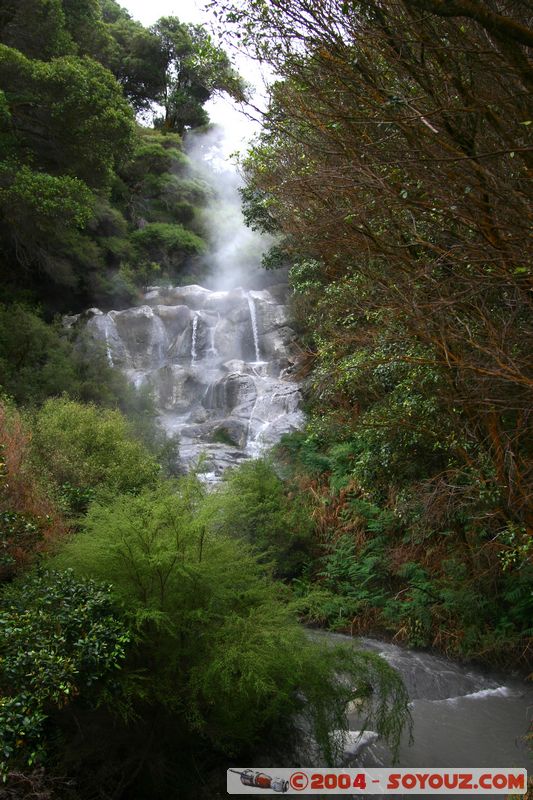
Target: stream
<point x="463" y="716"/>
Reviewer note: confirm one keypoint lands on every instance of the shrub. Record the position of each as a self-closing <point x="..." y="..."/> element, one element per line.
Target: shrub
<point x="167" y="243"/>
<point x="255" y="505"/>
<point x="29" y="519"/>
<point x="91" y="448"/>
<point x="34" y="358"/>
<point x="58" y="639"/>
<point x="40" y="360"/>
<point x="216" y="640"/>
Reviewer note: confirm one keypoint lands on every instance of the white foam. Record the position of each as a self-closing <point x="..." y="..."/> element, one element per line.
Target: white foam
<point x="499" y="691"/>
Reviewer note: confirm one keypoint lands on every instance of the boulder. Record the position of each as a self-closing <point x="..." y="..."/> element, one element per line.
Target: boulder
<point x="144" y="336"/>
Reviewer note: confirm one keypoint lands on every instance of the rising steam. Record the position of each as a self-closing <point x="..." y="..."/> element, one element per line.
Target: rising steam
<point x="235" y="252"/>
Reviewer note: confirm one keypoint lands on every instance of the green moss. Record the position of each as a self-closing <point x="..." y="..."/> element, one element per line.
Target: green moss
<point x="221" y="436"/>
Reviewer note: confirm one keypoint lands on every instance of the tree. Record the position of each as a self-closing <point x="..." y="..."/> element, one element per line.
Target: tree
<point x="136" y="58"/>
<point x="394" y="162"/>
<point x="195" y="69"/>
<point x="402" y="169"/>
<point x="224" y="658"/>
<point x="36" y="27"/>
<point x="60" y="638"/>
<point x="48" y="174"/>
<point x="91" y="449"/>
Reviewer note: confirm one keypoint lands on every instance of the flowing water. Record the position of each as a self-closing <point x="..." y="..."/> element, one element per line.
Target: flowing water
<point x="218" y="364"/>
<point x="463" y="717"/>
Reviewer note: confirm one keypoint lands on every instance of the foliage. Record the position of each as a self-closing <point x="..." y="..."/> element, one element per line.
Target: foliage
<point x="78" y="180"/>
<point x="216" y="640"/>
<point x="30" y="521"/>
<point x="195" y="68"/>
<point x="382" y="164"/>
<point x="59" y="639"/>
<point x="88" y="447"/>
<point x="36" y="28"/>
<point x="48" y="174"/>
<point x="167" y="244"/>
<point x="255" y="505"/>
<point x="379" y="570"/>
<point x="82" y="102"/>
<point x="39" y="361"/>
<point x="136" y="59"/>
<point x="34" y="358"/>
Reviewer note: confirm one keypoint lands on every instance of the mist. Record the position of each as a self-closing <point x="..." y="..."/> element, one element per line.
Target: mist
<point x="235" y="251"/>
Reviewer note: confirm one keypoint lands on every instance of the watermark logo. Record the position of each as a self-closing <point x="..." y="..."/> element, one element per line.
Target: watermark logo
<point x="405" y="781"/>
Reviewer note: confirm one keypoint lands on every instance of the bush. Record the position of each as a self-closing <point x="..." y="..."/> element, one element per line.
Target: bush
<point x="34" y="357"/>
<point x="216" y="640"/>
<point x="91" y="448"/>
<point x="40" y="360"/>
<point x="255" y="505"/>
<point x="167" y="243"/>
<point x="58" y="638"/>
<point x="29" y="520"/>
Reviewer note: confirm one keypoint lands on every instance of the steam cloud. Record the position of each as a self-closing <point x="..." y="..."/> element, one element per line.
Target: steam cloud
<point x="235" y="253"/>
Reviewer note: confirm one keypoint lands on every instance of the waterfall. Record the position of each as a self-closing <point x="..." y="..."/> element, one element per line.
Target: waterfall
<point x="191" y="348"/>
<point x="159" y="341"/>
<point x="108" y="348"/>
<point x="193" y="338"/>
<point x="253" y="318"/>
<point x="211" y="348"/>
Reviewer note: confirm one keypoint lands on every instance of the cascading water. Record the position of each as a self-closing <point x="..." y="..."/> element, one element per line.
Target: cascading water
<point x="194" y="335"/>
<point x="108" y="349"/>
<point x="253" y="320"/>
<point x="216" y="363"/>
<point x="463" y="717"/>
<point x="212" y="351"/>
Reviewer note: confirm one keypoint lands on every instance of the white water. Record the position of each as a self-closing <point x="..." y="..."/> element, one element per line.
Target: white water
<point x="217" y="364"/>
<point x="108" y="349"/>
<point x="194" y="335"/>
<point x="212" y="351"/>
<point x="253" y="319"/>
<point x="463" y="717"/>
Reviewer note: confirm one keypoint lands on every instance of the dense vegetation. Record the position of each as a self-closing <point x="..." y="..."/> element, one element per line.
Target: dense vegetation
<point x="393" y="164"/>
<point x="144" y="628"/>
<point x="92" y="203"/>
<point x="141" y="616"/>
<point x="135" y="623"/>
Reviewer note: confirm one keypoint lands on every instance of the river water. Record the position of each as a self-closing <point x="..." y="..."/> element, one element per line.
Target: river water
<point x="463" y="716"/>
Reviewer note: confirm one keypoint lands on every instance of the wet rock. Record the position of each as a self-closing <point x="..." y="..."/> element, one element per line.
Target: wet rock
<point x="354" y="744"/>
<point x="176" y="319"/>
<point x="102" y="327"/>
<point x="176" y="388"/>
<point x="213" y="361"/>
<point x="277" y="344"/>
<point x="231" y="391"/>
<point x="143" y="335"/>
<point x="198" y="414"/>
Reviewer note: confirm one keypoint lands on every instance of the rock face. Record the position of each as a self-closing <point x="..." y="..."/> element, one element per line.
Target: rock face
<point x="217" y="364"/>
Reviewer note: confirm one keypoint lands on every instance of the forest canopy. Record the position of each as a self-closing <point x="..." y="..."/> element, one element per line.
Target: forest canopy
<point x="72" y="78"/>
